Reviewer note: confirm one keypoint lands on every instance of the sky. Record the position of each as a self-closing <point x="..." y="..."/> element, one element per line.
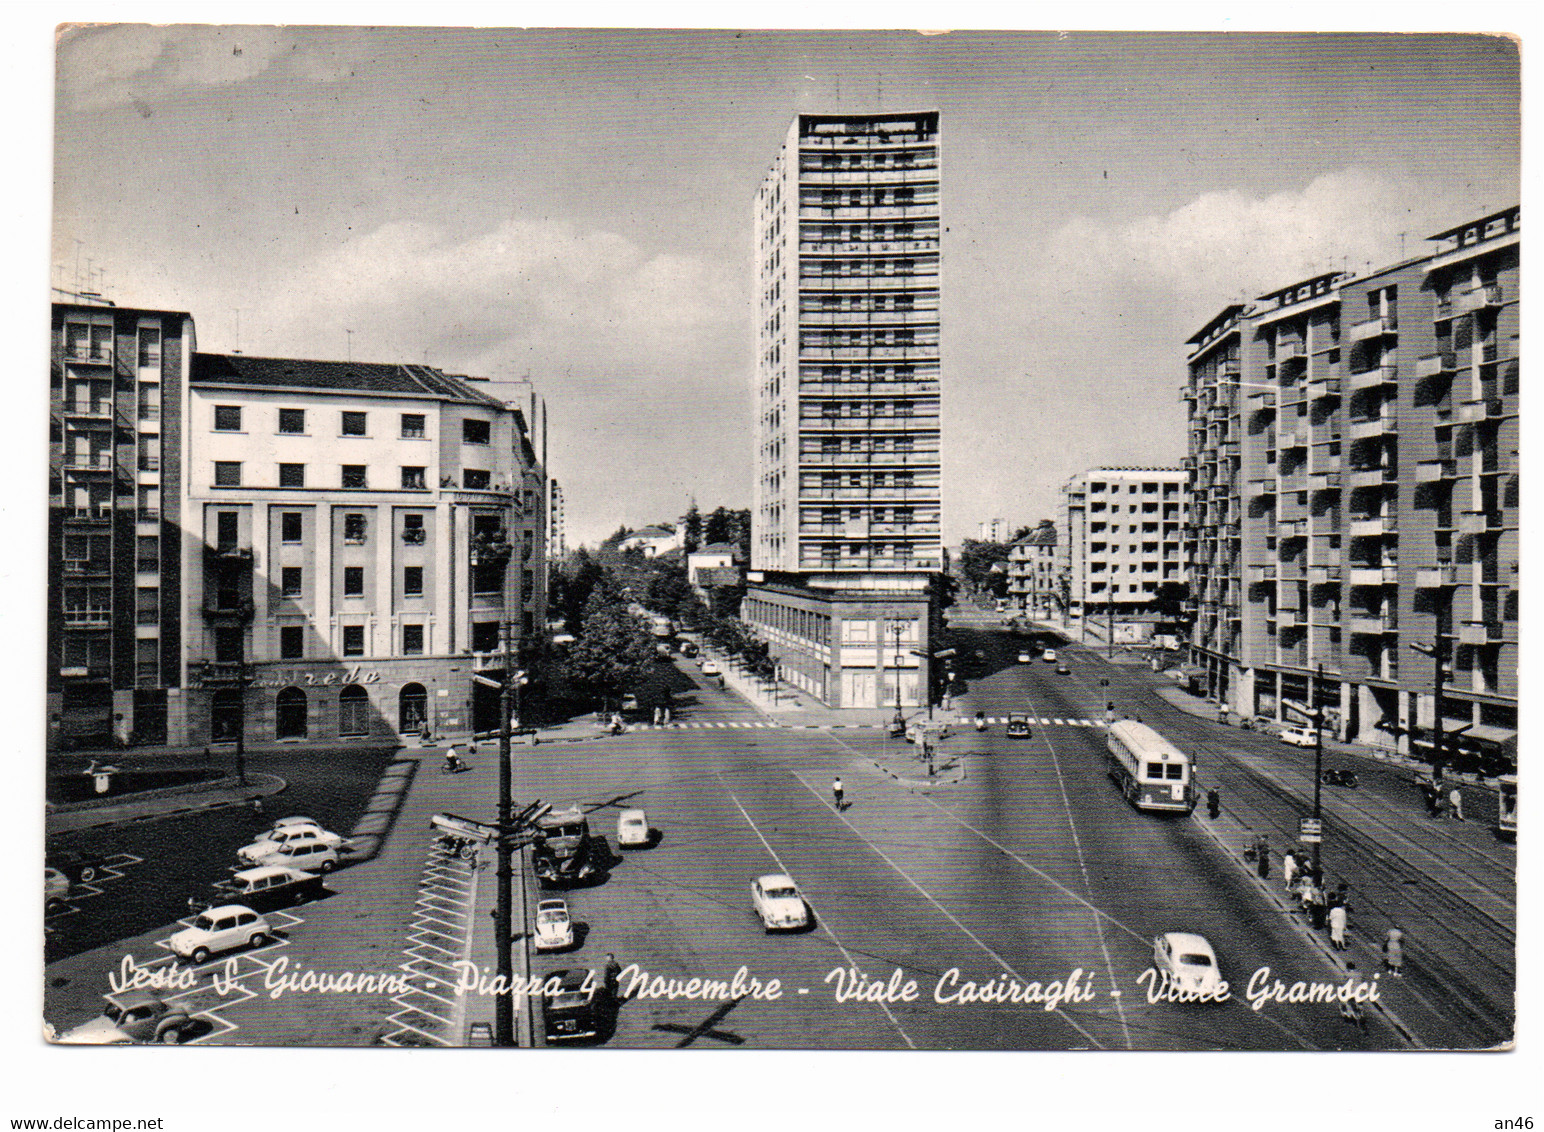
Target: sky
<point x="575" y="207"/>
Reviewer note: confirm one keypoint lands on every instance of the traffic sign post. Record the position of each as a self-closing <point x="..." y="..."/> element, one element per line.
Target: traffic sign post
<point x="1310" y="831"/>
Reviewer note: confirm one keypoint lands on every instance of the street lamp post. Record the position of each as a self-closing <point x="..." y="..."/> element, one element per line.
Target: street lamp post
<point x="895" y="631"/>
<point x="1315" y="715"/>
<point x="503" y="926"/>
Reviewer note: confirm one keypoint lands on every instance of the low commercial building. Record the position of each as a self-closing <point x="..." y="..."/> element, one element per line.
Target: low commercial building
<point x="356" y="536"/>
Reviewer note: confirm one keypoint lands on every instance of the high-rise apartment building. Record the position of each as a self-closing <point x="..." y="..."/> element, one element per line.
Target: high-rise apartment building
<point x="1353" y="454"/>
<point x="115" y="464"/>
<point x="1122" y="533"/>
<point x="355" y="537"/>
<point x="845" y="519"/>
<point x="557" y="534"/>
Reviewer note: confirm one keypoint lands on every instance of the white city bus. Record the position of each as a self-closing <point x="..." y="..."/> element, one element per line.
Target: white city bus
<point x="1151" y="772"/>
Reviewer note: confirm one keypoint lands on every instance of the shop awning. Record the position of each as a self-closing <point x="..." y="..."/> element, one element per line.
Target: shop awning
<point x="1485" y="733"/>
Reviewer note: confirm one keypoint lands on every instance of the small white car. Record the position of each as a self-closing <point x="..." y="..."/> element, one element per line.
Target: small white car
<point x="307" y="854"/>
<point x="629" y="702"/>
<point x="709" y="668"/>
<point x="632" y="828"/>
<point x="221" y="929"/>
<point x="554" y="927"/>
<point x="281" y="836"/>
<point x="1049" y="656"/>
<point x="1188" y="960"/>
<point x="1024" y="658"/>
<point x="778" y="902"/>
<point x="1298" y="736"/>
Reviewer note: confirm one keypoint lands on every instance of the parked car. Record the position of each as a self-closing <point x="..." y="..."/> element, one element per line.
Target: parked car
<point x="271" y="886"/>
<point x="1024" y="658"/>
<point x="688" y="648"/>
<point x="282" y="835"/>
<point x="632" y="829"/>
<point x="629" y="702"/>
<point x="56" y="887"/>
<point x="1298" y="736"/>
<point x="554" y="926"/>
<point x="308" y="854"/>
<point x="1188" y="960"/>
<point x="1049" y="656"/>
<point x="778" y="902"/>
<point x="709" y="668"/>
<point x="575" y="1005"/>
<point x="132" y="1017"/>
<point x="1018" y="726"/>
<point x="79" y="868"/>
<point x="220" y="929"/>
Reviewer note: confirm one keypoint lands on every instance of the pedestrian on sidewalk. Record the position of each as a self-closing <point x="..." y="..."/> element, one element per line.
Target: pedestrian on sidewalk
<point x="1433" y="798"/>
<point x="1288" y="869"/>
<point x="836" y="792"/>
<point x="1350" y="1009"/>
<point x="1456" y="804"/>
<point x="613" y="975"/>
<point x="658" y="715"/>
<point x="1316" y="908"/>
<point x="1213" y="803"/>
<point x="1338" y="927"/>
<point x="1263" y="857"/>
<point x="1394" y="953"/>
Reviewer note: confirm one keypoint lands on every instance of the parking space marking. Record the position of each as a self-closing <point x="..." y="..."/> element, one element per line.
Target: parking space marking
<point x="439" y="935"/>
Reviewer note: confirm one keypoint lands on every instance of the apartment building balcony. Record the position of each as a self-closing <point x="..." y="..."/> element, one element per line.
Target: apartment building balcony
<point x="1372" y="378"/>
<point x="98" y="513"/>
<point x="1373" y="477"/>
<point x="1324" y="481"/>
<point x="85" y="568"/>
<point x="1288" y="618"/>
<point x="910" y="316"/>
<point x="1324" y="575"/>
<point x="1322" y="387"/>
<point x="1436" y="577"/>
<point x="99" y="414"/>
<point x="1262" y="399"/>
<point x="100" y="464"/>
<point x="1479" y="297"/>
<point x="1263" y="486"/>
<point x="94" y="668"/>
<point x="226" y="607"/>
<point x="922" y="422"/>
<point x="1482" y="522"/>
<point x="1481" y="410"/>
<point x="1482" y="633"/>
<point x="1373" y="526"/>
<point x="1385" y="424"/>
<point x="89" y="355"/>
<point x="223" y="672"/>
<point x="900" y="280"/>
<point x="1262" y="573"/>
<point x="1435" y="471"/>
<point x="1434" y="365"/>
<point x="88" y="616"/>
<point x="922" y="169"/>
<point x="1186" y="393"/>
<point x="1292" y="529"/>
<point x="1228" y="449"/>
<point x="1289" y="440"/>
<point x="1374" y="575"/>
<point x="229" y="553"/>
<point x="1372" y="624"/>
<point x="1373" y="328"/>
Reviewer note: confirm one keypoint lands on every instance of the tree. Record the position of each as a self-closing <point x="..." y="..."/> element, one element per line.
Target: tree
<point x="977" y="559"/>
<point x="574" y="590"/>
<point x="691" y="529"/>
<point x="720" y="526"/>
<point x="668" y="590"/>
<point x="1169" y="601"/>
<point x="613" y="653"/>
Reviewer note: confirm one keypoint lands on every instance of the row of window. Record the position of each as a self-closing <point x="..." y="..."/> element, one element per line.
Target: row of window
<point x="227" y="473"/>
<point x="228" y="418"/>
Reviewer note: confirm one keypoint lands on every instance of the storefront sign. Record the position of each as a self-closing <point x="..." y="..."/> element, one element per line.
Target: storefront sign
<point x="284" y="677"/>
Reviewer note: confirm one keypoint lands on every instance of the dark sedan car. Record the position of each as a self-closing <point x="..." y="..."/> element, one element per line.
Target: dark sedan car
<point x="576" y="1005"/>
<point x="1018" y="726"/>
<point x="269" y="887"/>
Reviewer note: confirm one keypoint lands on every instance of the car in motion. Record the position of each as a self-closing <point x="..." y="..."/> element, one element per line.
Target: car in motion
<point x="629" y="702"/>
<point x="1188" y="961"/>
<point x="132" y="1017"/>
<point x="1049" y="656"/>
<point x="1024" y="657"/>
<point x="220" y="929"/>
<point x="576" y="1004"/>
<point x="632" y="828"/>
<point x="709" y="668"/>
<point x="1298" y="736"/>
<point x="688" y="648"/>
<point x="779" y="903"/>
<point x="1018" y="726"/>
<point x="1062" y="669"/>
<point x="270" y="886"/>
<point x="554" y="926"/>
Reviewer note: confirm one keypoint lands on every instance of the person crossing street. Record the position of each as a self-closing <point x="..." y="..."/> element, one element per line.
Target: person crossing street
<point x="836" y="792"/>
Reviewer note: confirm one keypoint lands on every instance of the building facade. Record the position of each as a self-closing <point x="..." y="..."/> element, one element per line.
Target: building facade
<point x="1122" y="536"/>
<point x="992" y="530"/>
<point x="354" y="536"/>
<point x="116" y="383"/>
<point x="1034" y="585"/>
<point x="1353" y="454"/>
<point x="846" y="506"/>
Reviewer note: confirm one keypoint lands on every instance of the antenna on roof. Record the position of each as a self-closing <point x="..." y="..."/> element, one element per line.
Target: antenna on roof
<point x="237" y="348"/>
<point x="350" y="334"/>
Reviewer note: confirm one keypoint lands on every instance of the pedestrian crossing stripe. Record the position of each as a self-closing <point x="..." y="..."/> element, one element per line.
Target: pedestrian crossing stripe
<point x="963" y="721"/>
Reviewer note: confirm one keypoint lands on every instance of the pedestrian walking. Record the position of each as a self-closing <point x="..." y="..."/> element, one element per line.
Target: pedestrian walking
<point x="1456" y="804"/>
<point x="613" y="975"/>
<point x="1350" y="1009"/>
<point x="1263" y="857"/>
<point x="1213" y="804"/>
<point x="1288" y="869"/>
<point x="1338" y="927"/>
<point x="1316" y="907"/>
<point x="665" y="713"/>
<point x="659" y="715"/>
<point x="1433" y="799"/>
<point x="1394" y="953"/>
<point x="836" y="792"/>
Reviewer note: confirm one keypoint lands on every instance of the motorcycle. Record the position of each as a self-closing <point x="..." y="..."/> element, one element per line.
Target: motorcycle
<point x="980" y="722"/>
<point x="463" y="847"/>
<point x="453" y="764"/>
